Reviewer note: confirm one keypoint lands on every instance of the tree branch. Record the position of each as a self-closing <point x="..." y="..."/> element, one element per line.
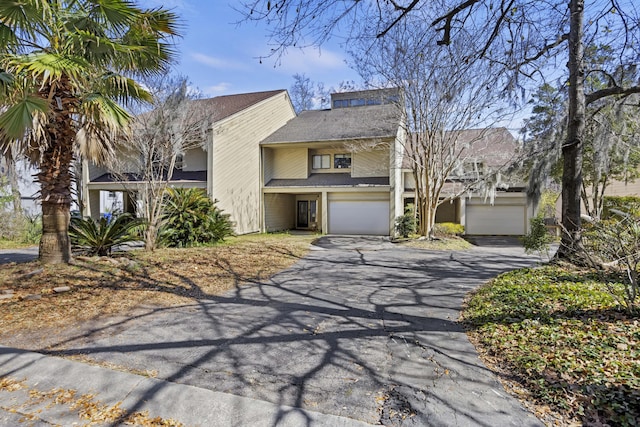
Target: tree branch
<point x="405" y="10"/>
<point x="610" y="91"/>
<point x="446" y="37"/>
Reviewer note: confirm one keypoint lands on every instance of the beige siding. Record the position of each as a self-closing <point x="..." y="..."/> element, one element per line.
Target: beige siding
<point x="280" y="211"/>
<point x="290" y="163"/>
<point x="409" y="181"/>
<point x="619" y="188"/>
<point x="370" y="163"/>
<point x="267" y="161"/>
<point x="236" y="159"/>
<point x="195" y="160"/>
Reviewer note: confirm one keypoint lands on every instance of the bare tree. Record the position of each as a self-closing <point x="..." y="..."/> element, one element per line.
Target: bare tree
<point x="157" y="143"/>
<point x="302" y="93"/>
<point x="444" y="97"/>
<point x="522" y="36"/>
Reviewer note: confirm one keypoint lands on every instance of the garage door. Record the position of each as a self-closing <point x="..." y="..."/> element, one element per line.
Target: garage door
<point x="495" y="220"/>
<point x="366" y="217"/>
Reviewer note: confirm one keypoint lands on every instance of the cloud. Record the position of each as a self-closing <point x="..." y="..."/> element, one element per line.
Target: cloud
<point x="218" y="63"/>
<point x="309" y="60"/>
<point x="218" y="89"/>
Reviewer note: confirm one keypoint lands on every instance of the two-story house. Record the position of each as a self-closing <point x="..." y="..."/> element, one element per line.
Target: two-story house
<point x="227" y="166"/>
<point x="336" y="171"/>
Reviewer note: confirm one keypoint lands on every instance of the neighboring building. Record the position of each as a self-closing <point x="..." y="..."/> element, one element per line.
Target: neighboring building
<point x="228" y="167"/>
<point x="28" y="189"/>
<point x="336" y="171"/>
<point x="505" y="212"/>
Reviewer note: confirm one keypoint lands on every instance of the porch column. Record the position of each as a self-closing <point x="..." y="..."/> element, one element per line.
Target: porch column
<point x="462" y="206"/>
<point x="325" y="213"/>
<point x="93" y="207"/>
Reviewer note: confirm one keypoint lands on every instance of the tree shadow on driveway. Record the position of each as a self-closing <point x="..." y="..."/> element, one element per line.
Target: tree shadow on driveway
<point x="369" y="335"/>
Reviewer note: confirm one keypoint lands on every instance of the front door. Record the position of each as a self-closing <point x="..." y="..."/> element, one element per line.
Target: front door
<point x="303" y="214"/>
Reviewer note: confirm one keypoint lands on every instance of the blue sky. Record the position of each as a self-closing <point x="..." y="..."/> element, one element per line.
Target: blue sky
<point x="221" y="57"/>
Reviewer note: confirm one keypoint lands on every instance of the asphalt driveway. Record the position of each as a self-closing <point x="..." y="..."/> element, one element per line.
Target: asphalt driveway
<point x="365" y="331"/>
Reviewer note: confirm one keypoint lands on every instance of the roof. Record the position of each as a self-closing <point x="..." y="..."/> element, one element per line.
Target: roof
<point x="227" y="105"/>
<point x="178" y="175"/>
<point x="492" y="146"/>
<point x="374" y="121"/>
<point x="328" y="180"/>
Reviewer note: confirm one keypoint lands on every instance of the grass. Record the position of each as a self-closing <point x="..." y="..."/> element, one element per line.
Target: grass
<point x="558" y="335"/>
<point x="12" y="244"/>
<point x="101" y="286"/>
<point x="441" y="244"/>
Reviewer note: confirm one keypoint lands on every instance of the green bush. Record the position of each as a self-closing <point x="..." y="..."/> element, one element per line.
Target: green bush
<point x="616" y="243"/>
<point x="191" y="218"/>
<point x="448" y="229"/>
<point x="406" y="224"/>
<point x="99" y="237"/>
<point x="630" y="204"/>
<point x="538" y="238"/>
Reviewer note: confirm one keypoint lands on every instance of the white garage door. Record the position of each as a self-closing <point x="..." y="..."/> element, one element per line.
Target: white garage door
<point x="495" y="220"/>
<point x="366" y="217"/>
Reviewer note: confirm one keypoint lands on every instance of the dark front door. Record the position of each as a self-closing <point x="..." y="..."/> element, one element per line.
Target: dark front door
<point x="303" y="214"/>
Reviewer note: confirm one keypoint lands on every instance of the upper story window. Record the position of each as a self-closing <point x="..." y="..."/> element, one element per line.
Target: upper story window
<point x="342" y="161"/>
<point x="340" y="103"/>
<point x="321" y="161"/>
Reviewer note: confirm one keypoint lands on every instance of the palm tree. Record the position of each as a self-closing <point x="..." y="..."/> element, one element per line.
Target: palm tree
<point x="66" y="67"/>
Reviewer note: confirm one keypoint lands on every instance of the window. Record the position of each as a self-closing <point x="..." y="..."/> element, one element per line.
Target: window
<point x="342" y="161"/>
<point x="340" y="103"/>
<point x="321" y="161"/>
<point x="112" y="194"/>
<point x="356" y="102"/>
<point x="179" y="162"/>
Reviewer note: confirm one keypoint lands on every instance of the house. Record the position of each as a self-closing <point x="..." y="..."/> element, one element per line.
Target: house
<point x="336" y="171"/>
<point x="227" y="166"/>
<point x="505" y="210"/>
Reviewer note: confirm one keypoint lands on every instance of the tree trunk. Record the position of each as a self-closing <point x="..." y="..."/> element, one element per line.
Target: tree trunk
<point x="13" y="183"/>
<point x="55" y="177"/>
<point x="571" y="243"/>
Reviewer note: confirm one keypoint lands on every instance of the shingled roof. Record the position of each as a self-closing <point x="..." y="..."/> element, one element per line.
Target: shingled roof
<point x="492" y="146"/>
<point x="224" y="106"/>
<point x="374" y="121"/>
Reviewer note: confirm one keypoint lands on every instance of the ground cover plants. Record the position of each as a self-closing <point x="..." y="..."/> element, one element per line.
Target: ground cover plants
<point x="41" y="306"/>
<point x="563" y="341"/>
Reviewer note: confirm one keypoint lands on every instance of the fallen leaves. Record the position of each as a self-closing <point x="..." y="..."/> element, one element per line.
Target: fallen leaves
<point x="86" y="406"/>
<point x="100" y="286"/>
<point x="560" y="335"/>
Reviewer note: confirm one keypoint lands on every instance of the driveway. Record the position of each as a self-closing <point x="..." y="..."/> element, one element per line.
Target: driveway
<point x="365" y="331"/>
<point x="18" y="255"/>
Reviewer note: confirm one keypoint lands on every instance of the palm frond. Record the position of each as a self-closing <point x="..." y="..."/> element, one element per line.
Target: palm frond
<point x="124" y="89"/>
<point x="99" y="237"/>
<point x="114" y="13"/>
<point x="21" y="20"/>
<point x="18" y="118"/>
<point x="49" y="66"/>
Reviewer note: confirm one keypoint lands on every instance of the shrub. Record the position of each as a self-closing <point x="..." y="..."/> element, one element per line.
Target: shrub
<point x="99" y="237"/>
<point x="538" y="238"/>
<point x="191" y="218"/>
<point x="406" y="224"/>
<point x="617" y="243"/>
<point x="448" y="229"/>
<point x="630" y="204"/>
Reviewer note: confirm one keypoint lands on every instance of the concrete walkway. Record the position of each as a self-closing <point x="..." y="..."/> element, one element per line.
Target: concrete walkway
<point x="363" y="336"/>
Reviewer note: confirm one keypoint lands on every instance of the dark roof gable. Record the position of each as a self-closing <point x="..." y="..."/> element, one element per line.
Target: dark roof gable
<point x="227" y="105"/>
